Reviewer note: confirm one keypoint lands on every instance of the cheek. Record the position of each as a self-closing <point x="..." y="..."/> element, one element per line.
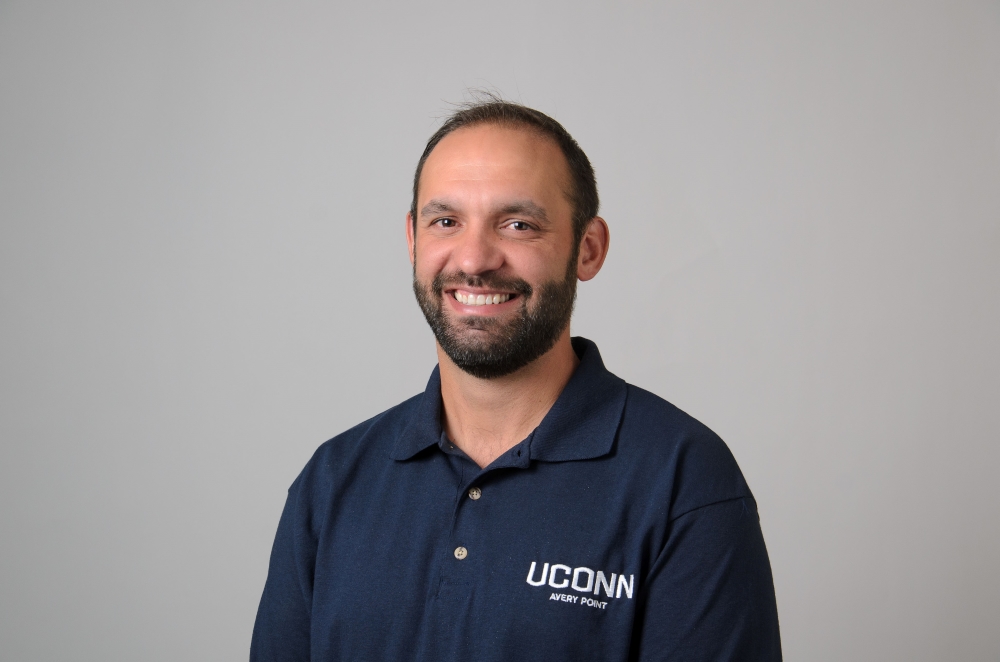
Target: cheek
<point x="538" y="264"/>
<point x="429" y="257"/>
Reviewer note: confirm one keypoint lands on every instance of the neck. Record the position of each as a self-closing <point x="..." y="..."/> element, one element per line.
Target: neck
<point x="488" y="417"/>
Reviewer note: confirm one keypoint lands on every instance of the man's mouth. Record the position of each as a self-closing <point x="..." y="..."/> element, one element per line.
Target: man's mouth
<point x="481" y="299"/>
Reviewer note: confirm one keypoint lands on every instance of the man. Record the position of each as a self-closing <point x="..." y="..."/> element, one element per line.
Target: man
<point x="529" y="505"/>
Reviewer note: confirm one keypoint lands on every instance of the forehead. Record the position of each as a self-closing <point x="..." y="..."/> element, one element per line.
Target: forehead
<point x="498" y="157"/>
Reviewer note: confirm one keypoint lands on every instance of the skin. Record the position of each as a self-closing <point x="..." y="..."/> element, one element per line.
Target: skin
<point x="493" y="199"/>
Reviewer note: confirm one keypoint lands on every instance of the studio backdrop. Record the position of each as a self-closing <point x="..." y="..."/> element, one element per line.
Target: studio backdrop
<point x="203" y="276"/>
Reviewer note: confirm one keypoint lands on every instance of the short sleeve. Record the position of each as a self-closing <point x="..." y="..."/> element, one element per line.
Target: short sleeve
<point x="282" y="629"/>
<point x="710" y="594"/>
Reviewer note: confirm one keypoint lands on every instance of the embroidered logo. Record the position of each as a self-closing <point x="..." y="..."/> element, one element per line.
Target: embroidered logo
<point x="583" y="580"/>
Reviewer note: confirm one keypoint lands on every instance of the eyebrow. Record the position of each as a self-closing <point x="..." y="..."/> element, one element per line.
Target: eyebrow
<point x="525" y="208"/>
<point x="519" y="207"/>
<point x="436" y="207"/>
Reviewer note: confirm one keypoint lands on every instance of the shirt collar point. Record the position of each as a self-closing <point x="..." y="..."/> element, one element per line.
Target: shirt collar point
<point x="581" y="425"/>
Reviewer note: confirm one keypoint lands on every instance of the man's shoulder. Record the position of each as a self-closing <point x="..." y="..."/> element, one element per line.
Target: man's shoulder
<point x="652" y="409"/>
<point x="374" y="437"/>
<point x="662" y="423"/>
<point x="697" y="462"/>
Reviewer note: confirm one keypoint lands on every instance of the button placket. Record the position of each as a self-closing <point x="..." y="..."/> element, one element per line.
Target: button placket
<point x="463" y="531"/>
<point x="461" y="552"/>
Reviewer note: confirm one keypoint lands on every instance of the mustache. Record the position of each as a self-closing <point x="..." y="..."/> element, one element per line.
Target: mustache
<point x="488" y="280"/>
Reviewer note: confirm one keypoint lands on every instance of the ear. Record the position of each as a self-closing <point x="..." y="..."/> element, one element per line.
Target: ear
<point x="410" y="239"/>
<point x="593" y="249"/>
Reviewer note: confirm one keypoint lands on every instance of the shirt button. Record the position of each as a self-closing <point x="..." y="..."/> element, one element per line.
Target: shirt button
<point x="475" y="493"/>
<point x="461" y="553"/>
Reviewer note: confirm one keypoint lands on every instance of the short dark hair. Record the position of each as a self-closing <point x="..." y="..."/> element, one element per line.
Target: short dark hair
<point x="490" y="108"/>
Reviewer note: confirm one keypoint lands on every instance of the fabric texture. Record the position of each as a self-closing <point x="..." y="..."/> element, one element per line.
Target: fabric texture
<point x="620" y="529"/>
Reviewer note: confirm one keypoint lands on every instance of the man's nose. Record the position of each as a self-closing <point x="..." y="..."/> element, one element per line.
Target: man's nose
<point x="479" y="250"/>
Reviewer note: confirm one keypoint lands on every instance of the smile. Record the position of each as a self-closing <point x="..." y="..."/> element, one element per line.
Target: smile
<point x="487" y="299"/>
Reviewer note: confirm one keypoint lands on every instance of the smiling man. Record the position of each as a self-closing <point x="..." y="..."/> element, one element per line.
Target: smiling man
<point x="529" y="504"/>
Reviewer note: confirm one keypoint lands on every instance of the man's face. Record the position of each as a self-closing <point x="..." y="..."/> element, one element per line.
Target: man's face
<point x="494" y="261"/>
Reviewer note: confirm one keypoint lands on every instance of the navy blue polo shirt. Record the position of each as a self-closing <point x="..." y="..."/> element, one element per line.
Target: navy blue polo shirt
<point x="620" y="529"/>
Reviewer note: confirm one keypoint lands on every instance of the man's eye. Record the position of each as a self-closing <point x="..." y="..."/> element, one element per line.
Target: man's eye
<point x="520" y="226"/>
<point x="446" y="222"/>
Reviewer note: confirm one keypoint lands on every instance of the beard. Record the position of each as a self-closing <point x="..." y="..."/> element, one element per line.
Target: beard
<point x="507" y="344"/>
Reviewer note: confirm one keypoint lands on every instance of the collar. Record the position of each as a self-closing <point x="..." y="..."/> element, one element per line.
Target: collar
<point x="580" y="426"/>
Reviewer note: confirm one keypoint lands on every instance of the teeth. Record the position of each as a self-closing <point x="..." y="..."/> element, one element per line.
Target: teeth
<point x="481" y="299"/>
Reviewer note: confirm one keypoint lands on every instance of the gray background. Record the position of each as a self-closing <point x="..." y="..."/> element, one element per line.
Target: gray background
<point x="203" y="276"/>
